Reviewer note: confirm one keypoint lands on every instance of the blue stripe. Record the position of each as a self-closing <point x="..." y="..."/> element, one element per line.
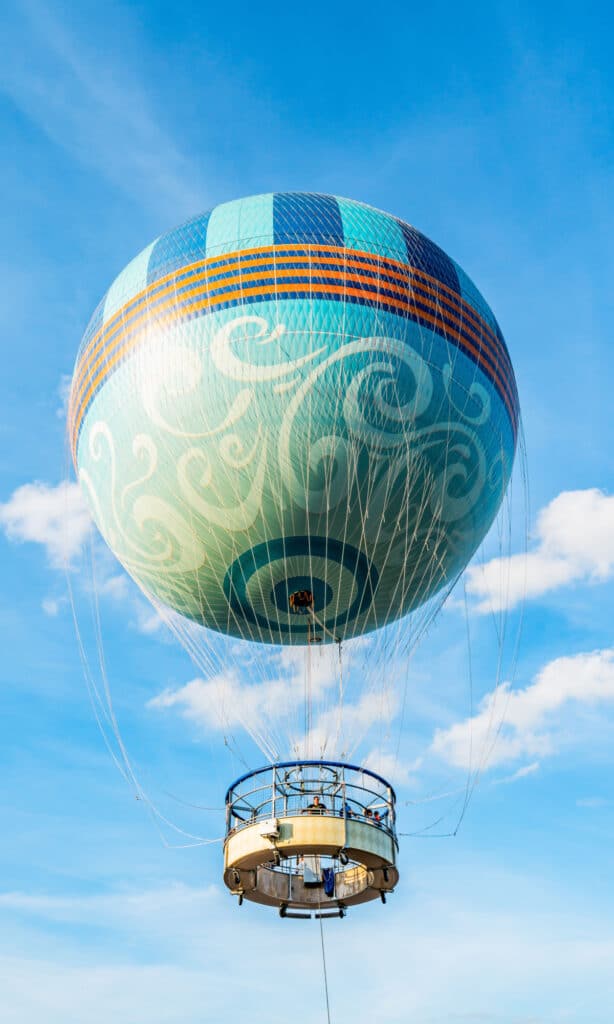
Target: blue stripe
<point x="498" y="359"/>
<point x="310" y="267"/>
<point x="183" y="245"/>
<point x="185" y="281"/>
<point x="425" y="255"/>
<point x="165" y="262"/>
<point x="92" y="329"/>
<point x="306" y="217"/>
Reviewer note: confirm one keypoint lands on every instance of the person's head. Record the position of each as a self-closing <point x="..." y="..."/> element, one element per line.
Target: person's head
<point x="316" y="800"/>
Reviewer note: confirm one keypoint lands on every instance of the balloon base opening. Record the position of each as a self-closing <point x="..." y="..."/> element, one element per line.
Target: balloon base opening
<point x="301" y="601"/>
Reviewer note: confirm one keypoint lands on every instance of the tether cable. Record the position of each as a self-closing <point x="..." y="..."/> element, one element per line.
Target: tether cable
<point x="324" y="961"/>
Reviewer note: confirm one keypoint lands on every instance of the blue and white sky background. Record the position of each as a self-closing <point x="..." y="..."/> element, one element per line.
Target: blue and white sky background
<point x="490" y="128"/>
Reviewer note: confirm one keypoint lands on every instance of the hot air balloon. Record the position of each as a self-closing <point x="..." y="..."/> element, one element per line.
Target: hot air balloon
<point x="295" y="418"/>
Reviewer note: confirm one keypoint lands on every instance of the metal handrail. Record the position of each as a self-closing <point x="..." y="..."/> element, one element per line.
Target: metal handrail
<point x="311" y="764"/>
<point x="288" y="785"/>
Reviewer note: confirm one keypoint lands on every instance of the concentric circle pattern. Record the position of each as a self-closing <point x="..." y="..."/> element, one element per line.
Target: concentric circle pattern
<point x="293" y="392"/>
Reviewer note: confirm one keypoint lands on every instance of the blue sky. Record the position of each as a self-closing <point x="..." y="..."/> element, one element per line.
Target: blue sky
<point x="489" y="127"/>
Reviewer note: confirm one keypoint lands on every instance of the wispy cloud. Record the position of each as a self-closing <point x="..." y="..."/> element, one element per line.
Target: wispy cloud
<point x="91" y="102"/>
<point x="164" y="953"/>
<point x="126" y="908"/>
<point x="527" y="722"/>
<point x="521" y="773"/>
<point x="64" y="396"/>
<point x="594" y="803"/>
<point x="55" y="517"/>
<point x="51" y="606"/>
<point x="574" y="543"/>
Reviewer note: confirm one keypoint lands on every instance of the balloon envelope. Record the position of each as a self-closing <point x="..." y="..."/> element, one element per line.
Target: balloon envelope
<point x="293" y="394"/>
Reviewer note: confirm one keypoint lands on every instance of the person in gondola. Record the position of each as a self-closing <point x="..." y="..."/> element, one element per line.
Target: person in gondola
<point x="315" y="807"/>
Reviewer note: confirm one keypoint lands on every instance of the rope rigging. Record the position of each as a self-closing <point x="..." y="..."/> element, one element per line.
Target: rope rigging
<point x="393" y="491"/>
<point x="378" y="682"/>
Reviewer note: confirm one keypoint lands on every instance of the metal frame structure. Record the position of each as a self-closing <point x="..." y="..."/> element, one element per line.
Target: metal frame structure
<point x="310" y="837"/>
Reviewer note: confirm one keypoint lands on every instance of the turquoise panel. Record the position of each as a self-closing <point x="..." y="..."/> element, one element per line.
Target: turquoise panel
<point x="223" y="228"/>
<point x="256" y="221"/>
<point x="131" y="281"/>
<point x="243" y="223"/>
<point x="371" y="230"/>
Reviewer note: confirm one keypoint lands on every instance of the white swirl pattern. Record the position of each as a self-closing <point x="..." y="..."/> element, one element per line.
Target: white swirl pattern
<point x="402" y="451"/>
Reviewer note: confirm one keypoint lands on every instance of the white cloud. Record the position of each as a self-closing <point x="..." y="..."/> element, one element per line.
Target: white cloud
<point x="259" y="702"/>
<point x="220" y="702"/>
<point x="55" y="517"/>
<point x="391" y="767"/>
<point x="51" y="606"/>
<point x="148" y="620"/>
<point x="111" y="582"/>
<point x="267" y="699"/>
<point x="64" y="395"/>
<point x="115" y="586"/>
<point x="340" y="727"/>
<point x="58" y="519"/>
<point x="574" y="543"/>
<point x="527" y="722"/>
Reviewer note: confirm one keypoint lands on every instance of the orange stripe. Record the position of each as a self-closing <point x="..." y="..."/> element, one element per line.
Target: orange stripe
<point x="495" y="350"/>
<point x="231" y="296"/>
<point x="227" y="296"/>
<point x="236" y="258"/>
<point x="221" y="261"/>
